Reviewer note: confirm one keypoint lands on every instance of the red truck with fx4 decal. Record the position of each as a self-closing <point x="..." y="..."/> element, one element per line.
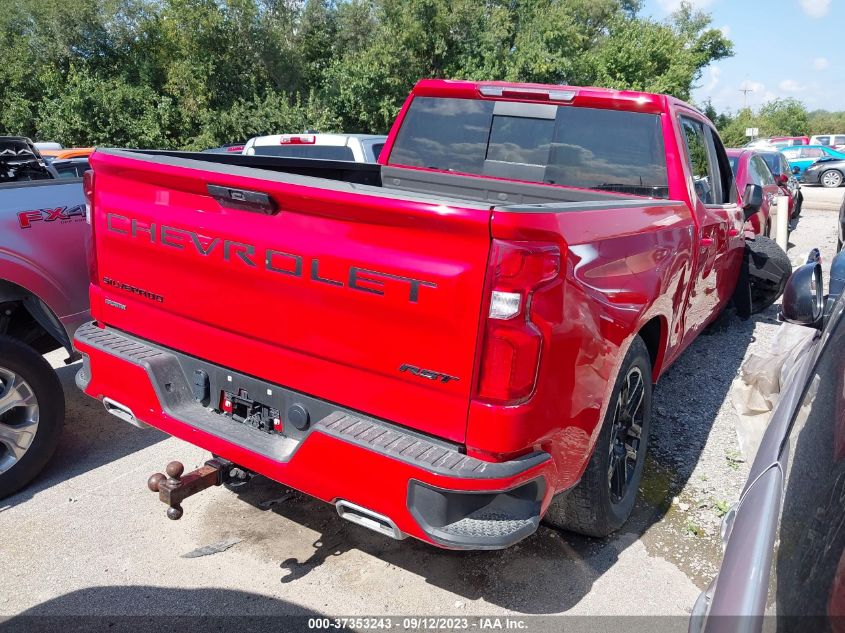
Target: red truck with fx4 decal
<point x="452" y="344"/>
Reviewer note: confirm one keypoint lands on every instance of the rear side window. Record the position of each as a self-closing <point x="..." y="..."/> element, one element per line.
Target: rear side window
<point x="325" y="152"/>
<point x="591" y="148"/>
<point x="823" y="140"/>
<point x="812" y="152"/>
<point x="839" y="140"/>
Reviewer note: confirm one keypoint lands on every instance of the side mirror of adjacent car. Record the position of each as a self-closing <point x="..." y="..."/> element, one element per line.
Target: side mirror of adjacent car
<point x="796" y="170"/>
<point x="836" y="286"/>
<point x="803" y="297"/>
<point x="752" y="200"/>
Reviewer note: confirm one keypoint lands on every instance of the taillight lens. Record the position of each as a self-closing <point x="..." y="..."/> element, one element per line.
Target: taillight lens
<point x="512" y="343"/>
<point x="91" y="250"/>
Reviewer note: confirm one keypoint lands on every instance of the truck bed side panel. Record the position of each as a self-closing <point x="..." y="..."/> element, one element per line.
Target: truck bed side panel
<point x="623" y="266"/>
<point x="42" y="242"/>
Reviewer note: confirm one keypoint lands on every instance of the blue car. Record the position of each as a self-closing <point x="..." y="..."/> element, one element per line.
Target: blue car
<point x="802" y="156"/>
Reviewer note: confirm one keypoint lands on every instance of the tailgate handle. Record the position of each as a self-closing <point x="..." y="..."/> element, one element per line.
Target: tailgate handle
<point x="243" y="199"/>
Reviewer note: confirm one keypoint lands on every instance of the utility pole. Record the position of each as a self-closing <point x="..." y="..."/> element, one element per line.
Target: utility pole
<point x="745" y="92"/>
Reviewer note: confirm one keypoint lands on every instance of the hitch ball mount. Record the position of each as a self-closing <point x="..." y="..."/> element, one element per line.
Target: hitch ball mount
<point x="174" y="488"/>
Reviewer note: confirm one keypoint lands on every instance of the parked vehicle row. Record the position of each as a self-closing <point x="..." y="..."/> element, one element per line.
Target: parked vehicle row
<point x="802" y="157"/>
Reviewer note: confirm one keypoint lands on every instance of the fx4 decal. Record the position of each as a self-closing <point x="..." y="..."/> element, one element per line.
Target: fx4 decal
<point x="26" y="218"/>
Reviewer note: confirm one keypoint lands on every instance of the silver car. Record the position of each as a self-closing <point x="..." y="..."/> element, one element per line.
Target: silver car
<point x="785" y="539"/>
<point x="43" y="299"/>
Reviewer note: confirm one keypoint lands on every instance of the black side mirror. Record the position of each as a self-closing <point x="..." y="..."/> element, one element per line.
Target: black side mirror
<point x="752" y="200"/>
<point x="796" y="170"/>
<point x="803" y="297"/>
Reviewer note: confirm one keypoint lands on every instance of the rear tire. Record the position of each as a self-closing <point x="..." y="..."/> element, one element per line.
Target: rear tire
<point x="768" y="270"/>
<point x="597" y="505"/>
<point x="32" y="412"/>
<point x="831" y="179"/>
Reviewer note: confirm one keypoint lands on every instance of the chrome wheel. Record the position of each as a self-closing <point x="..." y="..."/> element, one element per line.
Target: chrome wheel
<point x="831" y="179"/>
<point x="18" y="418"/>
<point x="626" y="434"/>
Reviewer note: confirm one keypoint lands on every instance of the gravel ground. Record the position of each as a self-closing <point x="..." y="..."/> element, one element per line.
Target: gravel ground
<point x="87" y="536"/>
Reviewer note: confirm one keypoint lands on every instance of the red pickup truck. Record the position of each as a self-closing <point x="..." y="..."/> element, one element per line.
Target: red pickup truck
<point x="452" y="344"/>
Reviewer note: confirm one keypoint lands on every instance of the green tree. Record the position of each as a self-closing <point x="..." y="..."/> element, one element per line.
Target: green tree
<point x="733" y="134"/>
<point x="194" y="73"/>
<point x="783" y="117"/>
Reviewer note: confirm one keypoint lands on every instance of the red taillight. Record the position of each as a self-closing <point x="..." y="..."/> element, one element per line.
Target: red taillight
<point x="512" y="342"/>
<point x="304" y="139"/>
<point x="91" y="249"/>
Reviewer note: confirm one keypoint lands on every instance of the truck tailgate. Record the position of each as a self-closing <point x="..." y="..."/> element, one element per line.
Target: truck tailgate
<point x="347" y="293"/>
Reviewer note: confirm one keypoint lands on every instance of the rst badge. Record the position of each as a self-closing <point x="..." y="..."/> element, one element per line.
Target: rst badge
<point x="62" y="214"/>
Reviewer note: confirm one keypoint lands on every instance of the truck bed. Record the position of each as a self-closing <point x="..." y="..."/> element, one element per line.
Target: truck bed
<point x="412" y="183"/>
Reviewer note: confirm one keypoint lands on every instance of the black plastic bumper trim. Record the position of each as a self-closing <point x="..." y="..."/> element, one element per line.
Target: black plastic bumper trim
<point x="169" y="373"/>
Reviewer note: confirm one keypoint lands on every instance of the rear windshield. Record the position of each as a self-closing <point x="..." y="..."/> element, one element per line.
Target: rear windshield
<point x="773" y="161"/>
<point x="610" y="150"/>
<point x="326" y="152"/>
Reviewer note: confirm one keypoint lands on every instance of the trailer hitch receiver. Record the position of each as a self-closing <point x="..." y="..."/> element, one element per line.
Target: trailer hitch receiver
<point x="174" y="488"/>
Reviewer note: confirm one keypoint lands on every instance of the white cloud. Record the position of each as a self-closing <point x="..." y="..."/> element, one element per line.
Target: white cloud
<point x="813" y="8"/>
<point x="670" y="6"/>
<point x="790" y="85"/>
<point x="821" y="63"/>
<point x="714" y="74"/>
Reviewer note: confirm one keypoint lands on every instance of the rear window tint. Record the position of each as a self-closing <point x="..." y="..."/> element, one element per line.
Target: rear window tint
<point x="520" y="140"/>
<point x="581" y="147"/>
<point x="326" y="152"/>
<point x="446" y="134"/>
<point x="773" y="161"/>
<point x="610" y="150"/>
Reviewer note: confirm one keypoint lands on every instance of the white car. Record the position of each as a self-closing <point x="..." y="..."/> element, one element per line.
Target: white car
<point x="836" y="141"/>
<point x="359" y="148"/>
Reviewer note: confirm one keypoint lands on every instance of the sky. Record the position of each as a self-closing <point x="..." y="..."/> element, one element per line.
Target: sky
<point x="782" y="48"/>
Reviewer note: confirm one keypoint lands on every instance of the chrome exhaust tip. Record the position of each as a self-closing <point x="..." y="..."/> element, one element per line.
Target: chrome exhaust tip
<point x="124" y="413"/>
<point x="369" y="519"/>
